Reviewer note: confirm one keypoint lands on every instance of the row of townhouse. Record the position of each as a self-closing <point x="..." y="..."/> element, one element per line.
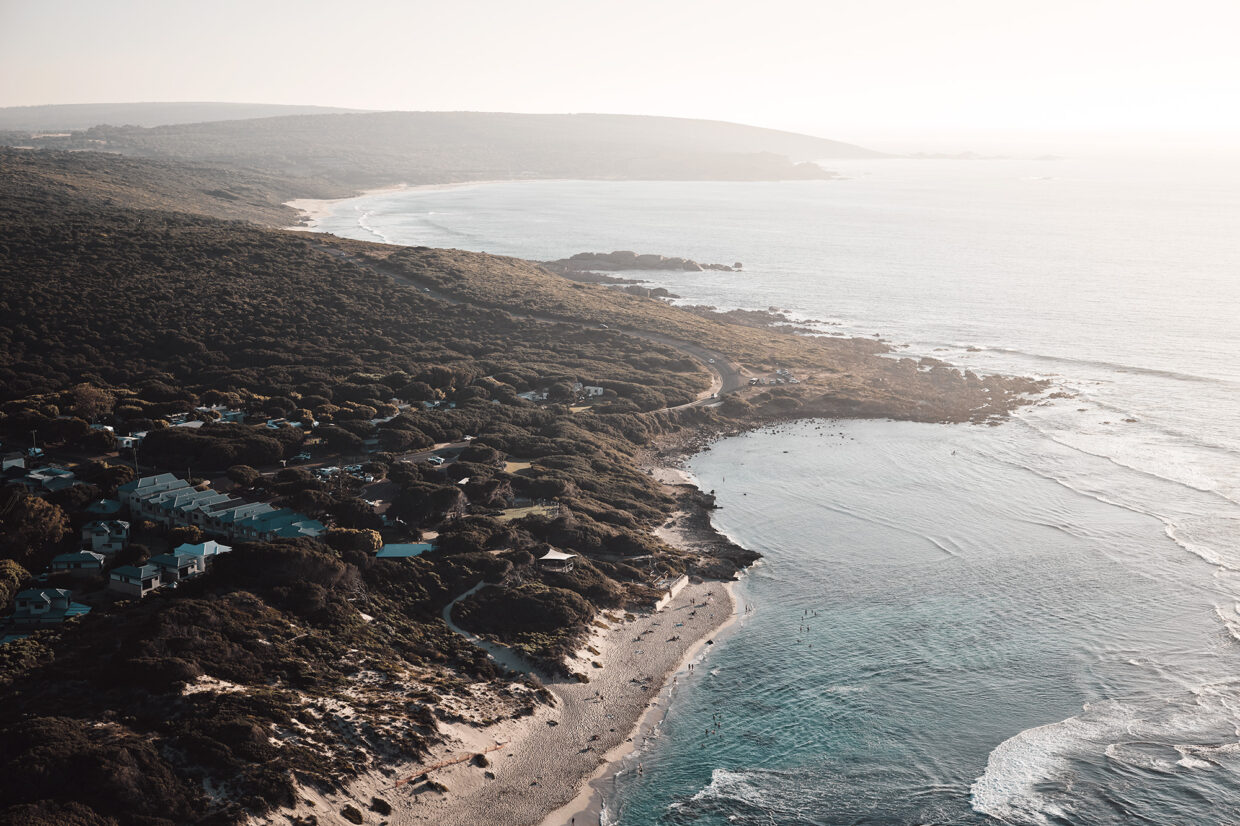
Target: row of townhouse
<point x="183" y="562"/>
<point x="172" y="501"/>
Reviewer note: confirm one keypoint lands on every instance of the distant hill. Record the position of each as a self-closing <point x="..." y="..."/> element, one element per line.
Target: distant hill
<point x="361" y="150"/>
<point x="65" y="117"/>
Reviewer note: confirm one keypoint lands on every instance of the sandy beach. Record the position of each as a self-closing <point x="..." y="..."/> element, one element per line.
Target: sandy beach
<point x="315" y="209"/>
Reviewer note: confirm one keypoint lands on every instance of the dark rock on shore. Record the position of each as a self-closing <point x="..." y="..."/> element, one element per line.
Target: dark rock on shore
<point x="629" y="260"/>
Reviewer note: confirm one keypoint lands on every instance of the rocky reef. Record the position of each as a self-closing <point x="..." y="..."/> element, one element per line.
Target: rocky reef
<point x="628" y="260"/>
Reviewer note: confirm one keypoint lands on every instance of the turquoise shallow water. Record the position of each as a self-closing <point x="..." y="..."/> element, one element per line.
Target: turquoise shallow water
<point x="960" y="599"/>
<point x="1034" y="623"/>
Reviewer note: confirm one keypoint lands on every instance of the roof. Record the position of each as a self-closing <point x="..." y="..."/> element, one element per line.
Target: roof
<point x="173" y="560"/>
<point x="555" y="556"/>
<point x="203" y="549"/>
<point x="147" y="482"/>
<point x="404" y="550"/>
<point x="110" y="526"/>
<point x="46" y="594"/>
<point x="51" y="472"/>
<point x="104" y="507"/>
<point x="78" y="556"/>
<point x="134" y="572"/>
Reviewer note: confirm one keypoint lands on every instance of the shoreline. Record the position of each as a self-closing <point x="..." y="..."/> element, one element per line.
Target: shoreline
<point x="590" y="803"/>
<point x="316" y="209"/>
<point x="558" y="765"/>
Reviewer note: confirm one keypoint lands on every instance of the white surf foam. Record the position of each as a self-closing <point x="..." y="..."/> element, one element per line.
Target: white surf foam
<point x="1027" y="776"/>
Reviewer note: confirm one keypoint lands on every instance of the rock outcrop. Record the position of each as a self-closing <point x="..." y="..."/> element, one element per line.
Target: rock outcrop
<point x="628" y="260"/>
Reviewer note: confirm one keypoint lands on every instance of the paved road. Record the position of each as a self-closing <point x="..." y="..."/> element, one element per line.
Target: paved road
<point x="726" y="375"/>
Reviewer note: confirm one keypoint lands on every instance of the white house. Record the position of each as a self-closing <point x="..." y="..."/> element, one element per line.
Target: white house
<point x="133" y="492"/>
<point x="133" y="580"/>
<point x="46" y="606"/>
<point x="106" y="537"/>
<point x="171" y="501"/>
<point x="204" y="550"/>
<point x="175" y="567"/>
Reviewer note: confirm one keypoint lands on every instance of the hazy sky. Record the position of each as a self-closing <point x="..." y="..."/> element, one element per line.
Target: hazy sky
<point x="842" y="69"/>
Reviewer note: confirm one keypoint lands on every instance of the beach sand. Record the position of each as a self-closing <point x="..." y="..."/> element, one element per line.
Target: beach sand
<point x="315" y="209"/>
<point x="539" y="776"/>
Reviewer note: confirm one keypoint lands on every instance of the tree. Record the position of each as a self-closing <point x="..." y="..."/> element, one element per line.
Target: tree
<point x="29" y="528"/>
<point x="90" y="402"/>
<point x="98" y="441"/>
<point x="561" y="391"/>
<point x="243" y="475"/>
<point x="418" y="391"/>
<point x="356" y="513"/>
<point x="13" y="578"/>
<point x="134" y="554"/>
<point x="347" y="539"/>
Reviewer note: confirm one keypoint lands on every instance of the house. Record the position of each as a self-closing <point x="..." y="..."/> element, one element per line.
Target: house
<point x="85" y="561"/>
<point x="9" y="460"/>
<point x="533" y="395"/>
<point x="104" y="507"/>
<point x="46" y="606"/>
<point x="50" y="479"/>
<point x="592" y="390"/>
<point x="131" y="441"/>
<point x="134" y="580"/>
<point x="172" y="501"/>
<point x="403" y="550"/>
<point x="106" y="537"/>
<point x="558" y="561"/>
<point x="205" y="550"/>
<point x="225" y="413"/>
<point x="175" y="567"/>
<point x="136" y="491"/>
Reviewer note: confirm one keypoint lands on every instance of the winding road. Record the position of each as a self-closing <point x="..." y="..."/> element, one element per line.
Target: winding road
<point x="726" y="375"/>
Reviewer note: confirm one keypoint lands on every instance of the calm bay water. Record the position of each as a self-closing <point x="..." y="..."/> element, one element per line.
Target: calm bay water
<point x="1032" y="622"/>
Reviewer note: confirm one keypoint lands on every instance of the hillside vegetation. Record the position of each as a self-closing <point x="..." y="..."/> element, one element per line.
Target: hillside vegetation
<point x="65" y="116"/>
<point x="352" y="151"/>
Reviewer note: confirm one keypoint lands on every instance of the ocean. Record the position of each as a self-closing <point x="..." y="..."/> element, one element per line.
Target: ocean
<point x="1036" y="623"/>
